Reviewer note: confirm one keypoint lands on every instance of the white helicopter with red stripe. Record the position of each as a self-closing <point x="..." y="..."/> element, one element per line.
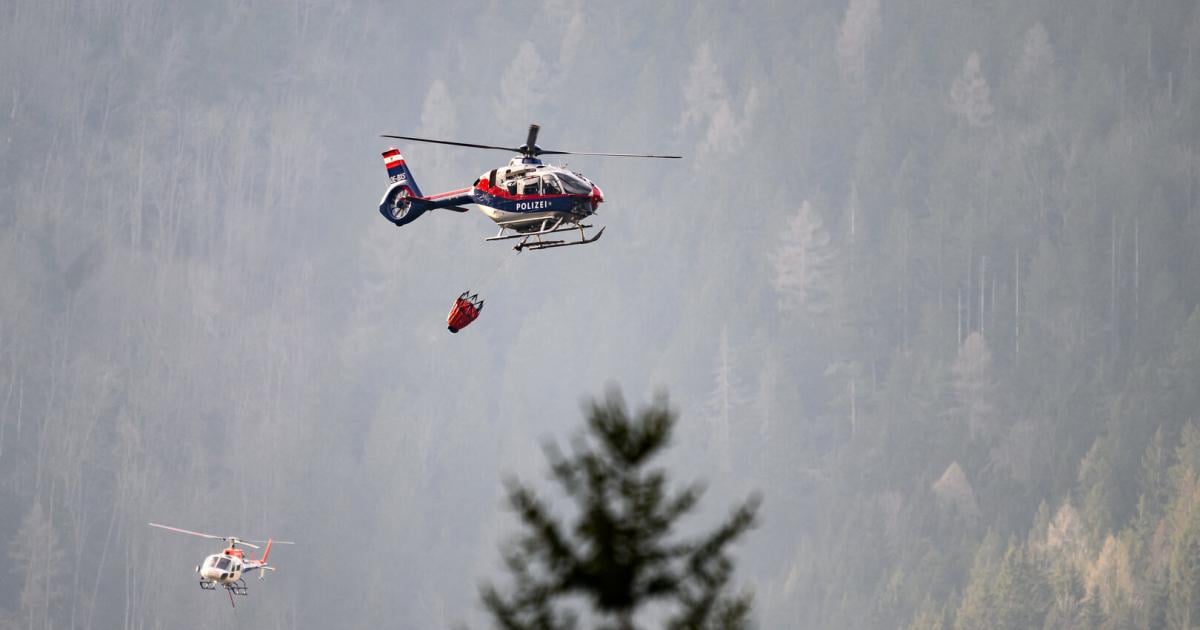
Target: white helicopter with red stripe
<point x="526" y="198"/>
<point x="227" y="568"/>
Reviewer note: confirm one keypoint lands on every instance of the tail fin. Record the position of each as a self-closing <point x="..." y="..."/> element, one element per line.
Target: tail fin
<point x="267" y="551"/>
<point x="398" y="172"/>
<point x="402" y="202"/>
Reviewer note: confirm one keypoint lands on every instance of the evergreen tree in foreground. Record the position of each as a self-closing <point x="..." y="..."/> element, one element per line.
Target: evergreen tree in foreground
<point x="617" y="555"/>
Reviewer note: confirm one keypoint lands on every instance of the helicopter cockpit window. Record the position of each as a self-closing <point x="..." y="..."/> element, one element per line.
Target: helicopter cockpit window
<point x="223" y="564"/>
<point x="512" y="186"/>
<point x="530" y="186"/>
<point x="574" y="185"/>
<point x="550" y="185"/>
<point x="212" y="562"/>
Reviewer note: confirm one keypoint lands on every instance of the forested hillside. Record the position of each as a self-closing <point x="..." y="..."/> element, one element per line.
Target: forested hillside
<point x="928" y="278"/>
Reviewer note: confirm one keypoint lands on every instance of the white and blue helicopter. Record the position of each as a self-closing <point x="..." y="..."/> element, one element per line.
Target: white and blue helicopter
<point x="527" y="198"/>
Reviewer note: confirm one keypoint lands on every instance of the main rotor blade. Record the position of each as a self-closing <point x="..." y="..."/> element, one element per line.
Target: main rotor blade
<point x="637" y="155"/>
<point x="531" y="139"/>
<point x="456" y="144"/>
<point x="263" y="542"/>
<point x="186" y="531"/>
<point x="239" y="541"/>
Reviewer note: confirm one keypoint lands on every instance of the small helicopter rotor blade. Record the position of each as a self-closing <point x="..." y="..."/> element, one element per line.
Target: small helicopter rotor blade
<point x="634" y="155"/>
<point x="531" y="139"/>
<point x="455" y="144"/>
<point x="187" y="531"/>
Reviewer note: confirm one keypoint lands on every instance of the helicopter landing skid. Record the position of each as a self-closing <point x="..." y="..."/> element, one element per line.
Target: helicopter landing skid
<point x="534" y="241"/>
<point x="237" y="588"/>
<point x="540" y="244"/>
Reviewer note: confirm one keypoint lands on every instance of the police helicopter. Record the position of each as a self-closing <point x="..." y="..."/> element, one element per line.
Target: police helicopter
<point x="528" y="199"/>
<point x="227" y="568"/>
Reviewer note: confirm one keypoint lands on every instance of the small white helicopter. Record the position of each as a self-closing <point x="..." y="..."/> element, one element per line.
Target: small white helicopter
<point x="227" y="568"/>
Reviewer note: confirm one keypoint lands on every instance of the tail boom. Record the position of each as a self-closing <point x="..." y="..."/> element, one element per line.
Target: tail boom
<point x="403" y="201"/>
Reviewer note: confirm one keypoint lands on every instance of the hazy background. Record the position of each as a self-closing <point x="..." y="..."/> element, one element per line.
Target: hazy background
<point x="927" y="278"/>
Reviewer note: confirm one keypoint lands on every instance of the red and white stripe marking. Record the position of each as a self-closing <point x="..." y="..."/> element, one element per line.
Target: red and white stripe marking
<point x="393" y="158"/>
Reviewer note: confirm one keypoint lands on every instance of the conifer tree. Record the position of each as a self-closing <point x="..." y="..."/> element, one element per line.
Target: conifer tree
<point x="723" y="402"/>
<point x="37" y="559"/>
<point x="1035" y="74"/>
<point x="1183" y="582"/>
<point x="975" y="387"/>
<point x="970" y="96"/>
<point x="617" y="554"/>
<point x="860" y="26"/>
<point x="803" y="264"/>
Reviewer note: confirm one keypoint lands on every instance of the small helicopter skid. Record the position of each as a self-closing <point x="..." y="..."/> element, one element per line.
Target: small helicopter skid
<point x="235" y="588"/>
<point x="550" y="225"/>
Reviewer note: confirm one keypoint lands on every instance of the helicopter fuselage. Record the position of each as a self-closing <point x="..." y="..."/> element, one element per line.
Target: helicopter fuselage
<point x="223" y="568"/>
<point x="526" y="198"/>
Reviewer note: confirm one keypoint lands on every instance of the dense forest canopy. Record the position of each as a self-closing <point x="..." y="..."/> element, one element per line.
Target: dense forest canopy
<point x="926" y="279"/>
